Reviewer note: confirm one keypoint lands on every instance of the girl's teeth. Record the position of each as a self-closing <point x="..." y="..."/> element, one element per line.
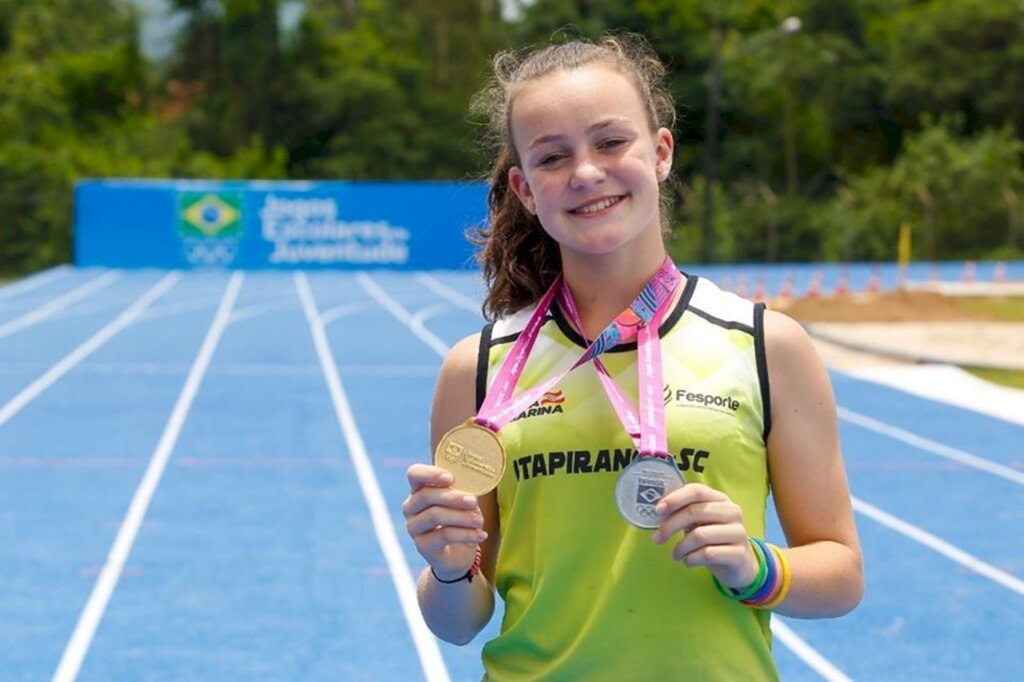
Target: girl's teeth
<point x="599" y="206"/>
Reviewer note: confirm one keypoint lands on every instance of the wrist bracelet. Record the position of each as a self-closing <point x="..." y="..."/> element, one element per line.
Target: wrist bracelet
<point x="468" y="575"/>
<point x="786" y="579"/>
<point x="770" y="581"/>
<point x="759" y="580"/>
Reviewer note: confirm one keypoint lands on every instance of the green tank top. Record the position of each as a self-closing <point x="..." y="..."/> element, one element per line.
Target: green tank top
<point x="588" y="596"/>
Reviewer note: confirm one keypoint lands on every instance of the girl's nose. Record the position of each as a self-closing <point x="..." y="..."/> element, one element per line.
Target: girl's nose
<point x="586" y="173"/>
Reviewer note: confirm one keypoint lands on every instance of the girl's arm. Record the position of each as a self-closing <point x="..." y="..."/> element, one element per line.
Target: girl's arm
<point x="808" y="479"/>
<point x="448" y="525"/>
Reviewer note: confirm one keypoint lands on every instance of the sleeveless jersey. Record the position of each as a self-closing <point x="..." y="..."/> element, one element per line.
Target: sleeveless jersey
<point x="587" y="595"/>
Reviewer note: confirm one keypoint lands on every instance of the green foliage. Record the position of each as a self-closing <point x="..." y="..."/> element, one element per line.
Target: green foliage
<point x="953" y="191"/>
<point x="872" y="114"/>
<point x="74" y="106"/>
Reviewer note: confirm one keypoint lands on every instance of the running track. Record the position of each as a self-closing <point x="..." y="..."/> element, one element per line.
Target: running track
<point x="201" y="476"/>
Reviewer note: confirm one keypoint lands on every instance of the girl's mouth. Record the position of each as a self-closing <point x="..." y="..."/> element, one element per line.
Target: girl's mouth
<point x="597" y="206"/>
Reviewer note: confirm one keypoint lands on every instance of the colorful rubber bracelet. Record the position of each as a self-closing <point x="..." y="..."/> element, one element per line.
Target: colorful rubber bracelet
<point x="787" y="577"/>
<point x="468" y="575"/>
<point x="765" y="592"/>
<point x="773" y="588"/>
<point x="754" y="587"/>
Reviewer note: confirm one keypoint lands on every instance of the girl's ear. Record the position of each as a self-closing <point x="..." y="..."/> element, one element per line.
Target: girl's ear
<point x="517" y="181"/>
<point x="664" y="144"/>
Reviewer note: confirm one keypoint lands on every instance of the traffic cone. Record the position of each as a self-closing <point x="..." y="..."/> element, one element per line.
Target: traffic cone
<point x="741" y="285"/>
<point x="785" y="294"/>
<point x="814" y="286"/>
<point x="759" y="293"/>
<point x="875" y="280"/>
<point x="843" y="285"/>
<point x="969" y="272"/>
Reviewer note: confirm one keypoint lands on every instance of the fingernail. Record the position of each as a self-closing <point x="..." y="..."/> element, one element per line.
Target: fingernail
<point x="469" y="499"/>
<point x="447" y="478"/>
<point x="660" y="508"/>
<point x="482" y="535"/>
<point x="657" y="537"/>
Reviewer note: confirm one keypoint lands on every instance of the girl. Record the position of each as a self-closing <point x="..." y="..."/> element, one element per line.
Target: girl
<point x="732" y="397"/>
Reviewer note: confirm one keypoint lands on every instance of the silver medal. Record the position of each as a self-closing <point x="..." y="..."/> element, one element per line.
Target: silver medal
<point x="645" y="481"/>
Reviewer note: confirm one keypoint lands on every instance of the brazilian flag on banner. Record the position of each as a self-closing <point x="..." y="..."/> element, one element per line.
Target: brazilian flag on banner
<point x="210" y="214"/>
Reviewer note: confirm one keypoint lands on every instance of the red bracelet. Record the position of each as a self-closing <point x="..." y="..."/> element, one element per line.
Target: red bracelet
<point x="468" y="575"/>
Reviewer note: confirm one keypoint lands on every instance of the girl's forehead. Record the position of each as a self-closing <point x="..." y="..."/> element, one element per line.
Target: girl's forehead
<point x="572" y="94"/>
<point x="588" y="76"/>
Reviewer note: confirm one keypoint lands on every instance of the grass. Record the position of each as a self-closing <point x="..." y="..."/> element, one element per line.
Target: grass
<point x="1006" y="309"/>
<point x="1012" y="379"/>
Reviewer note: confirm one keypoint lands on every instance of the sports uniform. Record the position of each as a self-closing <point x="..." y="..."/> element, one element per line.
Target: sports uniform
<point x="588" y="596"/>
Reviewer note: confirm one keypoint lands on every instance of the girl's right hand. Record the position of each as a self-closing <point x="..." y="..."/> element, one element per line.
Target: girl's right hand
<point x="446" y="524"/>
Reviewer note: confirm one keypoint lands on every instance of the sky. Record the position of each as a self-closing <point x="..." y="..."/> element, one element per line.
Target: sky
<point x="159" y="24"/>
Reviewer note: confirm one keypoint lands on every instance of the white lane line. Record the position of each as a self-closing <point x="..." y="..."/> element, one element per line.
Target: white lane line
<point x="449" y="294"/>
<point x="56" y="305"/>
<point x="807" y="653"/>
<point x="426" y="645"/>
<point x="36" y="280"/>
<point x="126" y="318"/>
<point x="329" y="316"/>
<point x="932" y="446"/>
<point x="939" y="545"/>
<point x="88" y="621"/>
<point x="418" y="322"/>
<point x="799" y="647"/>
<point x="949" y="385"/>
<point x="403" y="315"/>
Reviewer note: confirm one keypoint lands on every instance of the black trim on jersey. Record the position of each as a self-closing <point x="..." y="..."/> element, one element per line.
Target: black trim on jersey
<point x="738" y="326"/>
<point x="762" y="367"/>
<point x="666" y="324"/>
<point x="483" y="362"/>
<point x="511" y="338"/>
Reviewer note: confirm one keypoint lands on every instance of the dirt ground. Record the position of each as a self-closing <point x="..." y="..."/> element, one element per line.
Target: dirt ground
<point x="908" y="326"/>
<point x="899" y="306"/>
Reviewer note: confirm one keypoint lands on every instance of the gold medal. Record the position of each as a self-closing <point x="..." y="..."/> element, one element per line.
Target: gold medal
<point x="474" y="455"/>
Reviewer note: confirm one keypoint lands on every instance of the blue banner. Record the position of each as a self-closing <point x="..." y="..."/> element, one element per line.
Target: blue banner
<point x="252" y="225"/>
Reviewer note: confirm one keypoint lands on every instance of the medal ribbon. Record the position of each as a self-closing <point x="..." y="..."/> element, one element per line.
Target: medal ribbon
<point x="646" y="311"/>
<point x="647" y="429"/>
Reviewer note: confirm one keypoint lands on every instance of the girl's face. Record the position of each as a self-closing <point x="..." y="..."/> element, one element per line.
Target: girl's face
<point x="590" y="164"/>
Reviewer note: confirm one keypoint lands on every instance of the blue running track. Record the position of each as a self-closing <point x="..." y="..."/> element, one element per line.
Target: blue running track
<point x="201" y="477"/>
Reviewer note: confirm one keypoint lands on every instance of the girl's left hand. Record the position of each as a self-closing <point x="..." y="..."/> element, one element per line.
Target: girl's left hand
<point x="714" y="534"/>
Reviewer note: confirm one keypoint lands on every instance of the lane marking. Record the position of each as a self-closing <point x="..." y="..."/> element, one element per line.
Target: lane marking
<point x="449" y="294"/>
<point x="939" y="545"/>
<point x="33" y="281"/>
<point x="934" y="447"/>
<point x="56" y="305"/>
<point x="88" y="621"/>
<point x="403" y="315"/>
<point x="405" y="586"/>
<point x="122" y="321"/>
<point x="807" y="653"/>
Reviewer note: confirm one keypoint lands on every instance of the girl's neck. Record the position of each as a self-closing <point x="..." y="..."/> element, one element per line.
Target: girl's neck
<point x="603" y="287"/>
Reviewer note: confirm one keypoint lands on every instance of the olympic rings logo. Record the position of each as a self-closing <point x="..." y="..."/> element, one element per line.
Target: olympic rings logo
<point x="646" y="511"/>
<point x="210" y="252"/>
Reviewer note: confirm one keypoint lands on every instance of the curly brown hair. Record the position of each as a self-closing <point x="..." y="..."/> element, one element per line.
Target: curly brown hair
<point x="519" y="259"/>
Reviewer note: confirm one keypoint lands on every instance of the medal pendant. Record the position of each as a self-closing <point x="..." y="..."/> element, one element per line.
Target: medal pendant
<point x="645" y="481"/>
<point x="474" y="455"/>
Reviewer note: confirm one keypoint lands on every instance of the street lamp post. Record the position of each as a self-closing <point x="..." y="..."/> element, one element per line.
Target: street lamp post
<point x="713" y="81"/>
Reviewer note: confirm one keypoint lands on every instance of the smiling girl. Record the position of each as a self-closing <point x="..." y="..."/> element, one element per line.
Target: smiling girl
<point x="624" y="534"/>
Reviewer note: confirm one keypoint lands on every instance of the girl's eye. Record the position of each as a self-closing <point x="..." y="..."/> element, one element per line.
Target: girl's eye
<point x="550" y="159"/>
<point x="612" y="143"/>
